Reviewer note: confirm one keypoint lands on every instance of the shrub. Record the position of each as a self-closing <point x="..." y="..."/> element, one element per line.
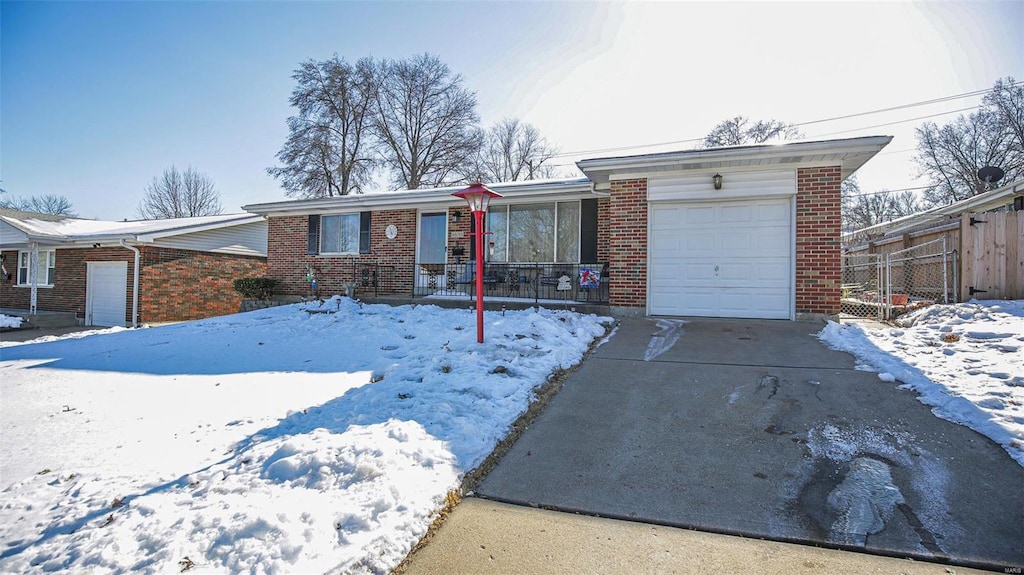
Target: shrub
<point x="255" y="288"/>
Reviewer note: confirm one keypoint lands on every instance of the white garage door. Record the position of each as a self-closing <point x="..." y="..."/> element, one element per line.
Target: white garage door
<point x="105" y="293"/>
<point x="723" y="259"/>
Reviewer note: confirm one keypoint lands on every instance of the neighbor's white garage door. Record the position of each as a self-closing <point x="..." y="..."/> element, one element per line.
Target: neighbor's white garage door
<point x="723" y="259"/>
<point x="105" y="293"/>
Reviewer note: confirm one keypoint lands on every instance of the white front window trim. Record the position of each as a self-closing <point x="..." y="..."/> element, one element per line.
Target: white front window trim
<point x="47" y="268"/>
<point x="339" y="234"/>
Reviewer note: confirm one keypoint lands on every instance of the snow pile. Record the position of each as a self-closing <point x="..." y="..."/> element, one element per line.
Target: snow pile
<point x="965" y="361"/>
<point x="9" y="321"/>
<point x="276" y="441"/>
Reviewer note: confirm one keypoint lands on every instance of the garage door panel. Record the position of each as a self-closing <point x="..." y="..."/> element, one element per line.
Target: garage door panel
<point x="734" y="259"/>
<point x="106" y="297"/>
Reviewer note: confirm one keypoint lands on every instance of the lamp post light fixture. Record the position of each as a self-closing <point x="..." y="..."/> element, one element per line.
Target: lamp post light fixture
<point x="717" y="181"/>
<point x="478" y="196"/>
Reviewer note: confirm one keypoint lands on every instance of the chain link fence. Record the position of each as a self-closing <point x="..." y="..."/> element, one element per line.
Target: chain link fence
<point x="884" y="286"/>
<point x="862" y="285"/>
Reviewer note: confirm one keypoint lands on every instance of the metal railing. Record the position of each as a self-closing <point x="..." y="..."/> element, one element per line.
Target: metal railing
<point x="540" y="282"/>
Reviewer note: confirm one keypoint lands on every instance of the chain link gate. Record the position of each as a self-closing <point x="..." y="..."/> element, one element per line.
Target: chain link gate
<point x="920" y="276"/>
<point x="862" y="286"/>
<point x="884" y="286"/>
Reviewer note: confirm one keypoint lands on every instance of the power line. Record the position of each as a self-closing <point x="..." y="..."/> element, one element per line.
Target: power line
<point x="810" y="122"/>
<point x="898" y="122"/>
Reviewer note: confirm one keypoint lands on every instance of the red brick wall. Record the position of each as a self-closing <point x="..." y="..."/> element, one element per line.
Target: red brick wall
<point x="181" y="285"/>
<point x="627" y="243"/>
<point x="817" y="240"/>
<point x="288" y="262"/>
<point x="174" y="285"/>
<point x="68" y="291"/>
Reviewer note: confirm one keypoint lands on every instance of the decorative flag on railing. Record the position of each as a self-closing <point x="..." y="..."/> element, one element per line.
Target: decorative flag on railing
<point x="589" y="279"/>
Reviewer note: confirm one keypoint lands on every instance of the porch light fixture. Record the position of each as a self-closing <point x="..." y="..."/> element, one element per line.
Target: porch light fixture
<point x="456" y="214"/>
<point x="478" y="196"/>
<point x="717" y="181"/>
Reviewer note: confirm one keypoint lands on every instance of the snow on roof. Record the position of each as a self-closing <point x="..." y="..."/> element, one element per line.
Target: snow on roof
<point x="44" y="225"/>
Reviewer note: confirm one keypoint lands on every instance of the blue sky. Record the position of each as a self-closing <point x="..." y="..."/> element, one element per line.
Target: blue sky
<point x="97" y="98"/>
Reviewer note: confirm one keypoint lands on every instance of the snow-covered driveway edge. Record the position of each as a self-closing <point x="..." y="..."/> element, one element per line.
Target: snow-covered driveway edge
<point x="938" y="382"/>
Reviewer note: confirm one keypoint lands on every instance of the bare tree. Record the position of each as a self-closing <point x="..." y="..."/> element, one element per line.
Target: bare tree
<point x="860" y="210"/>
<point x="327" y="152"/>
<point x="949" y="156"/>
<point x="180" y="194"/>
<point x="1007" y="100"/>
<point x="45" y="204"/>
<point x="426" y="122"/>
<point x="511" y="151"/>
<point x="739" y="131"/>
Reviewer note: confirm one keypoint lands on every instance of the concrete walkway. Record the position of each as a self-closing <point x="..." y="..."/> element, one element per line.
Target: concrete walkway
<point x="754" y="428"/>
<point x="483" y="536"/>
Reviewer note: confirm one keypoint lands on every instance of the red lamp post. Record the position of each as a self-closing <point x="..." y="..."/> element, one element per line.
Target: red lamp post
<point x="478" y="196"/>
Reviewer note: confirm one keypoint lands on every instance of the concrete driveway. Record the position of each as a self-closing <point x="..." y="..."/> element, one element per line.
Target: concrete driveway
<point x="755" y="428"/>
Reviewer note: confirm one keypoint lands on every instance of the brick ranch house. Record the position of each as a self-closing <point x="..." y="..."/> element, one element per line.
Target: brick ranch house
<point x="651" y="234"/>
<point x="125" y="273"/>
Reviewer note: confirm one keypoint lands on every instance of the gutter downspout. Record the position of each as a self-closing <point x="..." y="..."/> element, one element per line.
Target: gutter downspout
<point x="135" y="283"/>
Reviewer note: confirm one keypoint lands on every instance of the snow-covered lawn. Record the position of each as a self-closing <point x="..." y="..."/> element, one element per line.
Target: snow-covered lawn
<point x="966" y="361"/>
<point x="276" y="441"/>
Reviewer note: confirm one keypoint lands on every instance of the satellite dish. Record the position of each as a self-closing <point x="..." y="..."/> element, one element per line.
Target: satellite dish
<point x="990" y="174"/>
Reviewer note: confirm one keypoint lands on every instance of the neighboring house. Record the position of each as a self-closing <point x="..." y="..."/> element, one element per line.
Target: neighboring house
<point x="646" y="234"/>
<point x="983" y="237"/>
<point x="124" y="273"/>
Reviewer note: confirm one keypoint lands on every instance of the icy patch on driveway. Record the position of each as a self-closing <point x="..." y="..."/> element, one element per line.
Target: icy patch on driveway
<point x="662" y="341"/>
<point x="864" y="501"/>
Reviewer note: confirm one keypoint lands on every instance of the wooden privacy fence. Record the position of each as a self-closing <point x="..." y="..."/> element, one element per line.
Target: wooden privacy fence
<point x="992" y="255"/>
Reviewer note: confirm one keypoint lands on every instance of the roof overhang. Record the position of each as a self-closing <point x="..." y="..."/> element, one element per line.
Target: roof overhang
<point x="566" y="189"/>
<point x="135" y="232"/>
<point x="849" y="153"/>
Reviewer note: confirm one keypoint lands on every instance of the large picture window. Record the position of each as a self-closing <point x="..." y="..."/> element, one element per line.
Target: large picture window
<point x="522" y="233"/>
<point x="47" y="268"/>
<point x="339" y="234"/>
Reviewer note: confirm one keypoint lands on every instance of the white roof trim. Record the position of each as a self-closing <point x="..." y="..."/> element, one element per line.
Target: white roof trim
<point x="412" y="199"/>
<point x="850" y="153"/>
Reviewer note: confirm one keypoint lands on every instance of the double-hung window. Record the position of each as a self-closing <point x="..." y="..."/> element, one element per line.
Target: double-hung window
<point x="47" y="268"/>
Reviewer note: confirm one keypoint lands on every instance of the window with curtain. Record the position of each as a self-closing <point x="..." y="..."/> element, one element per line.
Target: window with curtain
<point x="535" y="232"/>
<point x="339" y="234"/>
<point x="47" y="268"/>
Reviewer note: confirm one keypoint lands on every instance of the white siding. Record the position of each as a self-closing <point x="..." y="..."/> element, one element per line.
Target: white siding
<point x="245" y="239"/>
<point x="11" y="237"/>
<point x="735" y="185"/>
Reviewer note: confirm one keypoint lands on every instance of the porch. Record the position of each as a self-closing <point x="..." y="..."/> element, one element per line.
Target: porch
<point x="533" y="283"/>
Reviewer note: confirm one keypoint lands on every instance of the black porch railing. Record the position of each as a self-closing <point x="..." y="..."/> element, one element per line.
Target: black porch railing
<point x="540" y="282"/>
<point x="373" y="277"/>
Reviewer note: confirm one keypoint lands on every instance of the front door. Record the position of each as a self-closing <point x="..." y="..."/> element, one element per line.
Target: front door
<point x="432" y="240"/>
